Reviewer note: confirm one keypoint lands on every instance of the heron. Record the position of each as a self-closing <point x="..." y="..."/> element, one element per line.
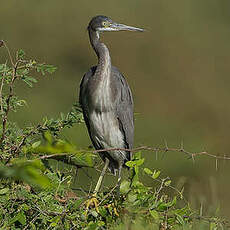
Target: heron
<point x="107" y="103"/>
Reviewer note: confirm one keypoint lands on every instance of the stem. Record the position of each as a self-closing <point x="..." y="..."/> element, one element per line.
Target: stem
<point x="11" y="92"/>
<point x="9" y="54"/>
<point x="98" y="186"/>
<point x="1" y="89"/>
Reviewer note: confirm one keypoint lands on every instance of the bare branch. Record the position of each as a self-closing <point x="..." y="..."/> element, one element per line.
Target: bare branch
<point x="3" y="43"/>
<point x="168" y="149"/>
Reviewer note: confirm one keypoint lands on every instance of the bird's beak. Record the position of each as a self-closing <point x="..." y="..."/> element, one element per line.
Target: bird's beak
<point x="118" y="27"/>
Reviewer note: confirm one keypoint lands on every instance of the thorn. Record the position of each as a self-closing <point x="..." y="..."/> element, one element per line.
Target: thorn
<point x="201" y="209"/>
<point x="182" y="146"/>
<point x="216" y="164"/>
<point x="166" y="146"/>
<point x="193" y="159"/>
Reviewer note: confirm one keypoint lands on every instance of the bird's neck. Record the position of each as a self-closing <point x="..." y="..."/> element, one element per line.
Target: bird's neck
<point x="100" y="88"/>
<point x="104" y="61"/>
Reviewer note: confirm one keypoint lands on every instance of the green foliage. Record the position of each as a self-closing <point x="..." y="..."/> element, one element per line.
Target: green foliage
<point x="57" y="207"/>
<point x="65" y="121"/>
<point x="61" y="150"/>
<point x="21" y="148"/>
<point x="23" y="206"/>
<point x="36" y="194"/>
<point x="28" y="170"/>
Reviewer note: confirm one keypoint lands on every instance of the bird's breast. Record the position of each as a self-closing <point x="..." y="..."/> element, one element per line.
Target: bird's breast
<point x="101" y="97"/>
<point x="105" y="127"/>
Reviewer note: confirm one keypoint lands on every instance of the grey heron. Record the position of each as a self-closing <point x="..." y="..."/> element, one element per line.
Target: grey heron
<point x="106" y="101"/>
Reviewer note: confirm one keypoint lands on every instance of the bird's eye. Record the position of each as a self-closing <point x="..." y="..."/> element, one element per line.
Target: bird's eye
<point x="105" y="24"/>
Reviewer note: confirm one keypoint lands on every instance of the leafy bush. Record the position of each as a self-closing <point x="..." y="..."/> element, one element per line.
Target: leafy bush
<point x="36" y="194"/>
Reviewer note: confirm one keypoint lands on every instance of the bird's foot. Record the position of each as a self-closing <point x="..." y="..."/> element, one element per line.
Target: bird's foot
<point x="112" y="209"/>
<point x="92" y="203"/>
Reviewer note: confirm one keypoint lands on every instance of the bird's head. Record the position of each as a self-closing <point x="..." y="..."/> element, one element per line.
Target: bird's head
<point x="102" y="23"/>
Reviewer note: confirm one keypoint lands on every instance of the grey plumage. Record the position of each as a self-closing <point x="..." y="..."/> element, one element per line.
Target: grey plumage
<point x="106" y="100"/>
<point x="122" y="111"/>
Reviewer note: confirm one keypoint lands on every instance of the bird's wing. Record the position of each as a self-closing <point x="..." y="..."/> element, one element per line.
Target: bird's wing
<point x="83" y="101"/>
<point x="124" y="107"/>
<point x="84" y="105"/>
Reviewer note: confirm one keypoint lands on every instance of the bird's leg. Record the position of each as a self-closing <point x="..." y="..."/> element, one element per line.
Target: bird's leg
<point x="93" y="201"/>
<point x="99" y="182"/>
<point x="119" y="180"/>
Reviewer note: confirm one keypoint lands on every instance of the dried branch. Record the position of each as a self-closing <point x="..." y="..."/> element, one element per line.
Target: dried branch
<point x="168" y="149"/>
<point x="66" y="157"/>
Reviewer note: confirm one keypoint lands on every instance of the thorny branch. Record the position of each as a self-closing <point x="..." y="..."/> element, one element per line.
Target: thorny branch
<point x="66" y="157"/>
<point x="167" y="149"/>
<point x="11" y="93"/>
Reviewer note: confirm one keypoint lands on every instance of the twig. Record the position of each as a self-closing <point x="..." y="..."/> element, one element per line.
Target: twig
<point x="24" y="137"/>
<point x="66" y="157"/>
<point x="8" y="51"/>
<point x="108" y="194"/>
<point x="86" y="192"/>
<point x="32" y="221"/>
<point x="5" y="117"/>
<point x="1" y="89"/>
<point x="166" y="149"/>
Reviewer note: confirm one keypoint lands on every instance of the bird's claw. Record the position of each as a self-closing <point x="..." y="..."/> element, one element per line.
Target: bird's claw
<point x="92" y="202"/>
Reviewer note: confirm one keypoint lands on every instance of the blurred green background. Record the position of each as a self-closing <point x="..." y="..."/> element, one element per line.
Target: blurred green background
<point x="178" y="71"/>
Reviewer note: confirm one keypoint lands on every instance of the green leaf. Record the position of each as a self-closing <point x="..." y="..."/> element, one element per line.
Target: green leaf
<point x="130" y="164"/>
<point x="20" y="54"/>
<point x="25" y="207"/>
<point x="180" y="219"/>
<point x="29" y="80"/>
<point x="22" y="218"/>
<point x="125" y="187"/>
<point x="50" y="68"/>
<point x="137" y="156"/>
<point x="132" y="198"/>
<point x="156" y="174"/>
<point x="48" y="137"/>
<point x="168" y="182"/>
<point x="85" y="159"/>
<point x="103" y="211"/>
<point x="45" y="68"/>
<point x="28" y="171"/>
<point x="94" y="213"/>
<point x="135" y="180"/>
<point x="36" y="144"/>
<point x="213" y="226"/>
<point x="139" y="162"/>
<point x="55" y="221"/>
<point x="4" y="191"/>
<point x="154" y="214"/>
<point x="19" y="217"/>
<point x="148" y="171"/>
<point x="2" y="68"/>
<point x="172" y="203"/>
<point x="133" y="163"/>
